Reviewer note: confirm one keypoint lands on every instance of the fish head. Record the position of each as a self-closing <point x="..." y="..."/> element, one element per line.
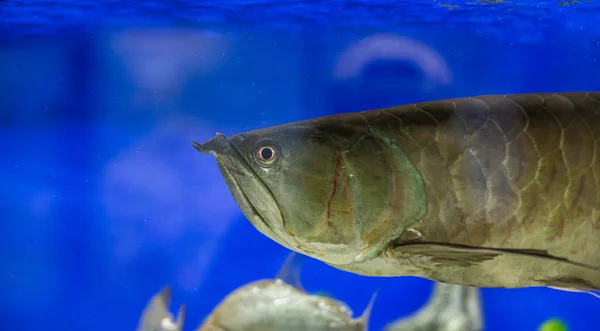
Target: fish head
<point x="283" y="179"/>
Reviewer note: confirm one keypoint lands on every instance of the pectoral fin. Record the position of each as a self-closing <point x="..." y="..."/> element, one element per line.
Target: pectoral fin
<point x="572" y="284"/>
<point x="446" y="255"/>
<point x="442" y="254"/>
<point x="576" y="290"/>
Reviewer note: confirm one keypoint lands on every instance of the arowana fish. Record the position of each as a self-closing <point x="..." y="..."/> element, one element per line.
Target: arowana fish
<point x="281" y="304"/>
<point x="487" y="191"/>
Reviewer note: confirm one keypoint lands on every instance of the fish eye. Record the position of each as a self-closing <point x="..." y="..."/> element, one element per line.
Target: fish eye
<point x="266" y="154"/>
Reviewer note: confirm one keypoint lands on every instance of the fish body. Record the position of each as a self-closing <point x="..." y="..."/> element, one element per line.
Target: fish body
<point x="450" y="308"/>
<point x="156" y="315"/>
<point x="281" y="304"/>
<point x="486" y="191"/>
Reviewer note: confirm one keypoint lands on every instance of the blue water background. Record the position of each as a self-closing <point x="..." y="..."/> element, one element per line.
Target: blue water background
<point x="104" y="201"/>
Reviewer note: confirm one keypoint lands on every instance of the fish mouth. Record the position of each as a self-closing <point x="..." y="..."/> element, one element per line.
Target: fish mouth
<point x="248" y="190"/>
<point x="217" y="145"/>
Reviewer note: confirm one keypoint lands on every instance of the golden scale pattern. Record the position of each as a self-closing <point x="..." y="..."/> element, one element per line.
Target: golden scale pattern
<point x="507" y="172"/>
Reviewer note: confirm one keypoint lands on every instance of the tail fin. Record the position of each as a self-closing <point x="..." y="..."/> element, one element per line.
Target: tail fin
<point x="156" y="315"/>
<point x="180" y="318"/>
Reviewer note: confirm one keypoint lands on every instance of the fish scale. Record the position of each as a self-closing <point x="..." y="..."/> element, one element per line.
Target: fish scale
<point x="478" y="146"/>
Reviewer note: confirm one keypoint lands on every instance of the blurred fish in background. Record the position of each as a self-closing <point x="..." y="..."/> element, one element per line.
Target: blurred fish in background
<point x="283" y="304"/>
<point x="450" y="308"/>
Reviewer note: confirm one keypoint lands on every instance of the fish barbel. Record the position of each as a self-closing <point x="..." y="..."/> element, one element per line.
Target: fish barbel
<point x="486" y="191"/>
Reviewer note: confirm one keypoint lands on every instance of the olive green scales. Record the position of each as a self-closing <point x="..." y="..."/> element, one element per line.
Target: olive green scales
<point x="487" y="191"/>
